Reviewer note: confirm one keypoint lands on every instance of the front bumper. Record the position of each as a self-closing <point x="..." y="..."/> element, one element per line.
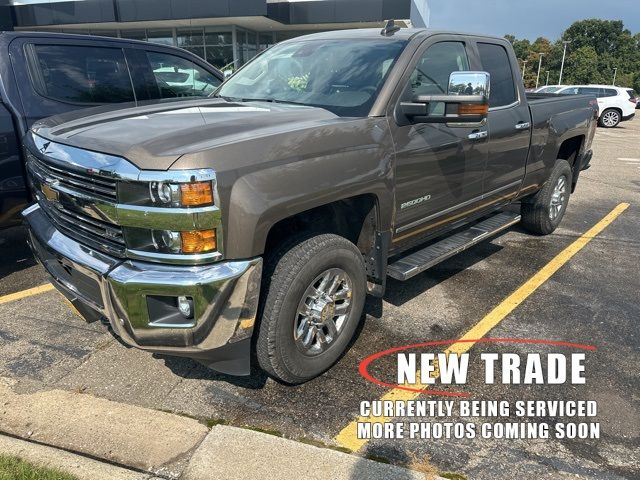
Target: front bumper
<point x="225" y="297"/>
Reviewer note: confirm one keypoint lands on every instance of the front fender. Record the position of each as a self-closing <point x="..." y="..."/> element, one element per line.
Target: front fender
<point x="261" y="199"/>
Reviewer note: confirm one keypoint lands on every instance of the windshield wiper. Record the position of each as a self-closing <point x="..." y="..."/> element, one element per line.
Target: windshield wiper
<point x="271" y="100"/>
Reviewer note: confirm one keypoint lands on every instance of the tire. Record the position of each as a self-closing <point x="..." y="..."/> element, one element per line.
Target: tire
<point x="289" y="275"/>
<point x="542" y="213"/>
<point x="610" y="118"/>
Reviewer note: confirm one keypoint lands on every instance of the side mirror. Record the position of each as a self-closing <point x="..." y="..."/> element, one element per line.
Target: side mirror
<point x="466" y="101"/>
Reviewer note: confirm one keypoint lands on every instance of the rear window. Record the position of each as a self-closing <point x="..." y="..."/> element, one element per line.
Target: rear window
<point x="172" y="77"/>
<point x="590" y="91"/>
<point x="495" y="60"/>
<point x="84" y="75"/>
<point x="179" y="77"/>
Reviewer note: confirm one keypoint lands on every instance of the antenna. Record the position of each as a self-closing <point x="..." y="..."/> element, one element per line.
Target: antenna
<point x="389" y="29"/>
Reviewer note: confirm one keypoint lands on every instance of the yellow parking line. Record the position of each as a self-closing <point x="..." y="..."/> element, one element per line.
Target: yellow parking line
<point x="26" y="293"/>
<point x="348" y="435"/>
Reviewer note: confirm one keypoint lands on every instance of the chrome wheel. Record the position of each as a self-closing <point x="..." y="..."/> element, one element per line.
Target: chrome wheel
<point x="558" y="198"/>
<point x="323" y="311"/>
<point x="611" y="118"/>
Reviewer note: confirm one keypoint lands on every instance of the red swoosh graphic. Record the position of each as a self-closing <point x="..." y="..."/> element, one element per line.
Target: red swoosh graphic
<point x="363" y="369"/>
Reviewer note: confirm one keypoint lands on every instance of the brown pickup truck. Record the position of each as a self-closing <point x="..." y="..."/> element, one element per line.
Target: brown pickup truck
<point x="254" y="223"/>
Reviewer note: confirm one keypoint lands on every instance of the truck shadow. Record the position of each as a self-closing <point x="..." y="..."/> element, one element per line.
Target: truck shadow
<point x="196" y="371"/>
<point x="398" y="293"/>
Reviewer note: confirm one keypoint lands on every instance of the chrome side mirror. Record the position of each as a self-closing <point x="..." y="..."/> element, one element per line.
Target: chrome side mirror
<point x="466" y="101"/>
<point x="470" y="84"/>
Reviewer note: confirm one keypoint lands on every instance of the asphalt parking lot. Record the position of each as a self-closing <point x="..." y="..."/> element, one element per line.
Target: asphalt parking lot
<point x="593" y="299"/>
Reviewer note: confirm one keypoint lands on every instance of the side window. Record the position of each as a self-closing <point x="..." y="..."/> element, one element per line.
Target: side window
<point x="569" y="91"/>
<point x="431" y="75"/>
<point x="609" y="92"/>
<point x="590" y="91"/>
<point x="179" y="77"/>
<point x="78" y="74"/>
<point x="495" y="60"/>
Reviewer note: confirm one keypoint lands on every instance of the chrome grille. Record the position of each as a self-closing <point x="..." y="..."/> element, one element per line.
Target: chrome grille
<point x="100" y="234"/>
<point x="97" y="186"/>
<point x="103" y="236"/>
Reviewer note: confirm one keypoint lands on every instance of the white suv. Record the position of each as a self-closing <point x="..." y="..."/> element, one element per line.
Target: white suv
<point x="615" y="104"/>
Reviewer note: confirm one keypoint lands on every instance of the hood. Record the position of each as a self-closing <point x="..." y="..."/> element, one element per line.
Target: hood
<point x="153" y="137"/>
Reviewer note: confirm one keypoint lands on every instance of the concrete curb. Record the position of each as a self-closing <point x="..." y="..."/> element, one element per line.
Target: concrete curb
<point x="240" y="454"/>
<point x="82" y="467"/>
<point x="163" y="444"/>
<point x="129" y="435"/>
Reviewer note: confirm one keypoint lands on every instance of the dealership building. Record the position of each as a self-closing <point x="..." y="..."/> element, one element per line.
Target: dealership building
<point x="224" y="32"/>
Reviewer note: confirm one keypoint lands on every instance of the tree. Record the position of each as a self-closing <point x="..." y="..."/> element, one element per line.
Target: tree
<point x="582" y="66"/>
<point x="597" y="48"/>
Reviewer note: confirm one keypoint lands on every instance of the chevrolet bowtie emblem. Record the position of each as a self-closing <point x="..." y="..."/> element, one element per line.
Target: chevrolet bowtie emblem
<point x="49" y="193"/>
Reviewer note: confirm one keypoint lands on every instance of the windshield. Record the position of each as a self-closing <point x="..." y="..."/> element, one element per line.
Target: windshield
<point x="341" y="76"/>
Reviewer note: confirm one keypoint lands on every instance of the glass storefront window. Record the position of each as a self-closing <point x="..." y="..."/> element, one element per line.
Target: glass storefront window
<point x="199" y="51"/>
<point x="265" y="41"/>
<point x="105" y="33"/>
<point x="247" y="46"/>
<point x="77" y="32"/>
<point x="134" y="34"/>
<point x="219" y="46"/>
<point x="282" y="36"/>
<point x="252" y="46"/>
<point x="220" y="56"/>
<point x="218" y="38"/>
<point x="188" y="37"/>
<point x="163" y="37"/>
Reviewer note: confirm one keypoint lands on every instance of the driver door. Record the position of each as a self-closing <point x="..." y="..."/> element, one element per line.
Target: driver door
<point x="439" y="167"/>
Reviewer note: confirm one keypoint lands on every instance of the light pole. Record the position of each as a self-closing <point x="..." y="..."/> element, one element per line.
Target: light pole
<point x="524" y="71"/>
<point x="547" y="78"/>
<point x="539" y="68"/>
<point x="564" y="55"/>
<point x="615" y="73"/>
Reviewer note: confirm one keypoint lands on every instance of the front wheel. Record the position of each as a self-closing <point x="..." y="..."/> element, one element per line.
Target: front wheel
<point x="610" y="118"/>
<point x="542" y="213"/>
<point x="313" y="299"/>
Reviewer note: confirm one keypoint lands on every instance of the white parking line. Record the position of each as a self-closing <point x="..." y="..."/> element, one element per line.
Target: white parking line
<point x="635" y="160"/>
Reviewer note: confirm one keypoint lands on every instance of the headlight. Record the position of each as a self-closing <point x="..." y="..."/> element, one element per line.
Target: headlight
<point x="178" y="215"/>
<point x="165" y="194"/>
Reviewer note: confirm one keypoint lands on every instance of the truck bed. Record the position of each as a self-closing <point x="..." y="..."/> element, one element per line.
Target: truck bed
<point x="546" y="107"/>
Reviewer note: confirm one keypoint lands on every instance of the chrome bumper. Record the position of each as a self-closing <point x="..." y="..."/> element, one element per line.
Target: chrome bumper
<point x="225" y="297"/>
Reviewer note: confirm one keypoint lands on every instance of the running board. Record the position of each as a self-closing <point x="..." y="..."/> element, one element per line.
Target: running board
<point x="418" y="262"/>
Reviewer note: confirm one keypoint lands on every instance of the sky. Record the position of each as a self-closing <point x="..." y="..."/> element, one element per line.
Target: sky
<point x="528" y="18"/>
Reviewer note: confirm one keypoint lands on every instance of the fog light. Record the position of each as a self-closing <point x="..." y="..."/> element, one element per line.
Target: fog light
<point x="185" y="305"/>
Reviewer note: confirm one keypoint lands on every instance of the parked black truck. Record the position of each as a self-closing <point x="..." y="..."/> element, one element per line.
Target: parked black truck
<point x="258" y="220"/>
<point x="45" y="74"/>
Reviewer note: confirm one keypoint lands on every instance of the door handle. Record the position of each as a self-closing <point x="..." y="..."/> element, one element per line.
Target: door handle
<point x="478" y="135"/>
<point x="523" y="126"/>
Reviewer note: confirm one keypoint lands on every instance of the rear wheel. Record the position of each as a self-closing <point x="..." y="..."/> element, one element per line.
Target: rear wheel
<point x="542" y="213"/>
<point x="313" y="299"/>
<point x="610" y="118"/>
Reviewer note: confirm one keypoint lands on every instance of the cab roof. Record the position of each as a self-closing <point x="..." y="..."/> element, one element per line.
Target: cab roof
<point x="374" y="33"/>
